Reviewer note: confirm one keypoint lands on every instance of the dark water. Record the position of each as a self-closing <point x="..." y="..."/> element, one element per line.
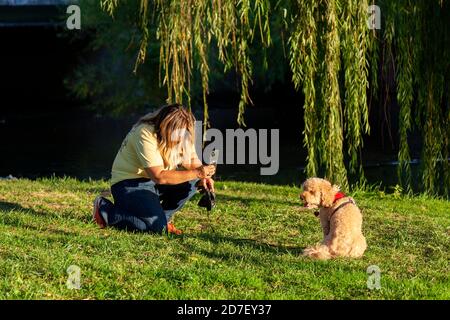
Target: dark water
<point x="83" y="145"/>
<point x="77" y="145"/>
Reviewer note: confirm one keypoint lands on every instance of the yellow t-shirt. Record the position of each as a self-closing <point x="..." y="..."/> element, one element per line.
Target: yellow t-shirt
<point x="139" y="150"/>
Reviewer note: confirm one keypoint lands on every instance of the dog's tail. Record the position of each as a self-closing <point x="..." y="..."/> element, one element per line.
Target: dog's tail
<point x="320" y="252"/>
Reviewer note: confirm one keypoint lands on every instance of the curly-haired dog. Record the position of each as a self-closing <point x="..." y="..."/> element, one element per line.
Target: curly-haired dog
<point x="340" y="218"/>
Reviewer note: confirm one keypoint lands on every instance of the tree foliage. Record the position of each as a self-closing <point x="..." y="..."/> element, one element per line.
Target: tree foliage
<point x="339" y="64"/>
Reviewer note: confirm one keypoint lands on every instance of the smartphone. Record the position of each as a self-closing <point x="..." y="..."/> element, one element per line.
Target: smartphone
<point x="214" y="157"/>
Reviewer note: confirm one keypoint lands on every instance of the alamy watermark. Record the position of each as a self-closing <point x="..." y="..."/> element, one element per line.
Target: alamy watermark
<point x="74" y="277"/>
<point x="374" y="20"/>
<point x="73" y="22"/>
<point x="248" y="146"/>
<point x="374" y="277"/>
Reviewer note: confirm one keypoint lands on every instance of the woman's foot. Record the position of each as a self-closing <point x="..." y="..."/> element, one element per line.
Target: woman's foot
<point x="171" y="229"/>
<point x="96" y="214"/>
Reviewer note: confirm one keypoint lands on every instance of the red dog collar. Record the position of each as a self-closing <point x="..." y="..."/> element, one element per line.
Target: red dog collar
<point x="338" y="196"/>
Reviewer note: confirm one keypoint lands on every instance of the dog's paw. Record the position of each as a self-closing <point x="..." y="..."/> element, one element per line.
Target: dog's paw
<point x="308" y="251"/>
<point x="319" y="252"/>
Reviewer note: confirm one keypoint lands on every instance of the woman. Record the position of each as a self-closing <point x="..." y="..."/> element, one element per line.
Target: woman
<point x="154" y="173"/>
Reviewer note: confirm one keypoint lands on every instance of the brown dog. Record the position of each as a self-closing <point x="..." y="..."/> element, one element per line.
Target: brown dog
<point x="340" y="218"/>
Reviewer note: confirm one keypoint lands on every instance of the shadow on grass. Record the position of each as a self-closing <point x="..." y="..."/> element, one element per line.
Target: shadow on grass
<point x="258" y="255"/>
<point x="286" y="175"/>
<point x="15" y="221"/>
<point x="9" y="206"/>
<point x="247" y="201"/>
<point x="258" y="244"/>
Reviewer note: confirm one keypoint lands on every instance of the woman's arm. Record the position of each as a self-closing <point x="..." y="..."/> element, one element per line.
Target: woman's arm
<point x="207" y="183"/>
<point x="194" y="163"/>
<point x="161" y="176"/>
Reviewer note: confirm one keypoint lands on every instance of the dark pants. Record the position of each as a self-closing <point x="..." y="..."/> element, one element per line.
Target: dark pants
<point x="142" y="205"/>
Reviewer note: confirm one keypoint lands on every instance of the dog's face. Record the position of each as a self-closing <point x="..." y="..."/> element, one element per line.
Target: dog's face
<point x="315" y="191"/>
<point x="310" y="198"/>
<point x="311" y="194"/>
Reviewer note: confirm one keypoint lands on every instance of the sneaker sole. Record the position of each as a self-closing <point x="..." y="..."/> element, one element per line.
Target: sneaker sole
<point x="96" y="213"/>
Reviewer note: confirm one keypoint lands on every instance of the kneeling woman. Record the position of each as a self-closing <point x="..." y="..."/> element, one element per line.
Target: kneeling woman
<point x="154" y="173"/>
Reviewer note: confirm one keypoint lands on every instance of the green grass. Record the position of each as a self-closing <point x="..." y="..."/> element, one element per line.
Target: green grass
<point x="249" y="248"/>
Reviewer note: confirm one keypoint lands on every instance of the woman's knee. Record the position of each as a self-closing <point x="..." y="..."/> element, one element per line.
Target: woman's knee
<point x="156" y="225"/>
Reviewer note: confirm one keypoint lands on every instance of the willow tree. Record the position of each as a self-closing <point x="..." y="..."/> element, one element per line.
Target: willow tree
<point x="333" y="56"/>
<point x="415" y="42"/>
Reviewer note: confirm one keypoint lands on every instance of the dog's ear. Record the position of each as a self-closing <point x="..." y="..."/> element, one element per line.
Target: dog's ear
<point x="302" y="186"/>
<point x="327" y="194"/>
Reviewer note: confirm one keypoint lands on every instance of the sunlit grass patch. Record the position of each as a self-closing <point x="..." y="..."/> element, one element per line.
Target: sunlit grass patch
<point x="248" y="247"/>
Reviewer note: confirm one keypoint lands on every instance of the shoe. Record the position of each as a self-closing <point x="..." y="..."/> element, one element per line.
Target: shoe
<point x="96" y="216"/>
<point x="171" y="229"/>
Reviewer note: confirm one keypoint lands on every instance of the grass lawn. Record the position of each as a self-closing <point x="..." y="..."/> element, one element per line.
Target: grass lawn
<point x="248" y="248"/>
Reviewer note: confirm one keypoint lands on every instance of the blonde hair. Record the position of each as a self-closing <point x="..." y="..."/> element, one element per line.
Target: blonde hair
<point x="174" y="128"/>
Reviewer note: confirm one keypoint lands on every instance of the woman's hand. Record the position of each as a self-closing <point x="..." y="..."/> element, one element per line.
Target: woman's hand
<point x="204" y="172"/>
<point x="208" y="184"/>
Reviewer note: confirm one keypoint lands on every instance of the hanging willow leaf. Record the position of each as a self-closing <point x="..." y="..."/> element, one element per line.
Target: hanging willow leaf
<point x="333" y="156"/>
<point x="202" y="41"/>
<point x="354" y="48"/>
<point x="303" y="63"/>
<point x="109" y="6"/>
<point x="143" y="23"/>
<point x="405" y="94"/>
<point x="373" y="60"/>
<point x="175" y="34"/>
